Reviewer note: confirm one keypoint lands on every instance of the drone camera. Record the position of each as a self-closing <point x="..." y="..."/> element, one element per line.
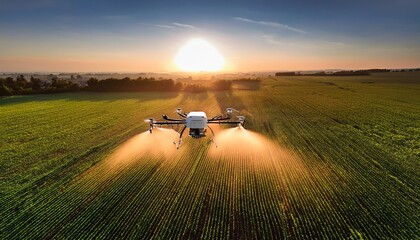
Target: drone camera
<point x="197" y="132"/>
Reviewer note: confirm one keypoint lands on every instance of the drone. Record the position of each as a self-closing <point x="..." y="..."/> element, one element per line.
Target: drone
<point x="197" y="122"/>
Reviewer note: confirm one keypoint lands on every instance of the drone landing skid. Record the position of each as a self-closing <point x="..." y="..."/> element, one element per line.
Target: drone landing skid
<point x="177" y="144"/>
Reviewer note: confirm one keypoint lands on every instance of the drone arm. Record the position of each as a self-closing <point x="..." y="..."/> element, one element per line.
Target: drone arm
<point x="169" y="122"/>
<point x="217" y="118"/>
<point x="221" y="122"/>
<point x="229" y="112"/>
<point x="182" y="115"/>
<point x="171" y="119"/>
<point x="223" y="119"/>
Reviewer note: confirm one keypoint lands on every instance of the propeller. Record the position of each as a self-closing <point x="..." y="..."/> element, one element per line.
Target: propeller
<point x="241" y="119"/>
<point x="229" y="111"/>
<point x="180" y="113"/>
<point x="150" y="120"/>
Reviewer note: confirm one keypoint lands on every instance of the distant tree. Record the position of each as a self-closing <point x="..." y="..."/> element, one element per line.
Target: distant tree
<point x="10" y="83"/>
<point x="92" y="83"/>
<point x="61" y="85"/>
<point x="56" y="84"/>
<point x="73" y="87"/>
<point x="178" y="86"/>
<point x="20" y="78"/>
<point x="36" y="83"/>
<point x="21" y="82"/>
<point x="54" y="81"/>
<point x="195" y="88"/>
<point x="285" y="74"/>
<point x="376" y="70"/>
<point x="222" y="85"/>
<point x="247" y="83"/>
<point x="5" y="91"/>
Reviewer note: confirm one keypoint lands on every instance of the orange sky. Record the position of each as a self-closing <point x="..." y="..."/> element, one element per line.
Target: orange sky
<point x="269" y="58"/>
<point x="143" y="36"/>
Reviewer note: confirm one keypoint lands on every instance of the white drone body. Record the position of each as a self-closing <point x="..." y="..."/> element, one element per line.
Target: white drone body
<point x="197" y="122"/>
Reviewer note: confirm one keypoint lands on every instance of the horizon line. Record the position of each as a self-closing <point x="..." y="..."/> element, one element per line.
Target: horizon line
<point x="202" y="72"/>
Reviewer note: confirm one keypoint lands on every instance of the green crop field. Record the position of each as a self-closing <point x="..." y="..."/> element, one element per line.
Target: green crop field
<point x="322" y="158"/>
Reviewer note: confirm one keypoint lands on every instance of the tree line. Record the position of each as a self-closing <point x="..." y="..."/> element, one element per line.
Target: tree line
<point x="323" y="73"/>
<point x="21" y="86"/>
<point x="346" y="73"/>
<point x="151" y="84"/>
<point x="132" y="85"/>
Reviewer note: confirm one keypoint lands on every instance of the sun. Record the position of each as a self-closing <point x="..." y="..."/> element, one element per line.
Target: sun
<point x="198" y="55"/>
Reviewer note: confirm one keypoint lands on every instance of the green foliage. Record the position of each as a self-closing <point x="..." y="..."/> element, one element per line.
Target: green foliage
<point x="93" y="83"/>
<point x="222" y="85"/>
<point x="195" y="88"/>
<point x="36" y="84"/>
<point x="133" y="85"/>
<point x="21" y="86"/>
<point x="5" y="91"/>
<point x="218" y="85"/>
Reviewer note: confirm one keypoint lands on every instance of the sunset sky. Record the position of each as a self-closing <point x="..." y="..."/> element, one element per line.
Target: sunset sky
<point x="145" y="36"/>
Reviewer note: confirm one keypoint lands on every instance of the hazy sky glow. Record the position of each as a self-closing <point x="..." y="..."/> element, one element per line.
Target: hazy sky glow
<point x="145" y="36"/>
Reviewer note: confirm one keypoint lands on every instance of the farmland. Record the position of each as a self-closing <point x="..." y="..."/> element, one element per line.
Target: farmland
<point x="322" y="157"/>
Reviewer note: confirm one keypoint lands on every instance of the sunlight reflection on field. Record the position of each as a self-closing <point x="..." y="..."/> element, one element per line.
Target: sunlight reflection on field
<point x="248" y="147"/>
<point x="158" y="144"/>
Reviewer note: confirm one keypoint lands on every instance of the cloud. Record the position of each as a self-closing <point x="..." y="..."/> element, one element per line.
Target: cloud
<point x="170" y="26"/>
<point x="270" y="24"/>
<point x="158" y="25"/>
<point x="184" y="25"/>
<point x="312" y="44"/>
<point x="272" y="40"/>
<point x="163" y="26"/>
<point x="336" y="43"/>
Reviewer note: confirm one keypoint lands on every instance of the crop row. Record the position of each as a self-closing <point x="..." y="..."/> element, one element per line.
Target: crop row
<point x="309" y="174"/>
